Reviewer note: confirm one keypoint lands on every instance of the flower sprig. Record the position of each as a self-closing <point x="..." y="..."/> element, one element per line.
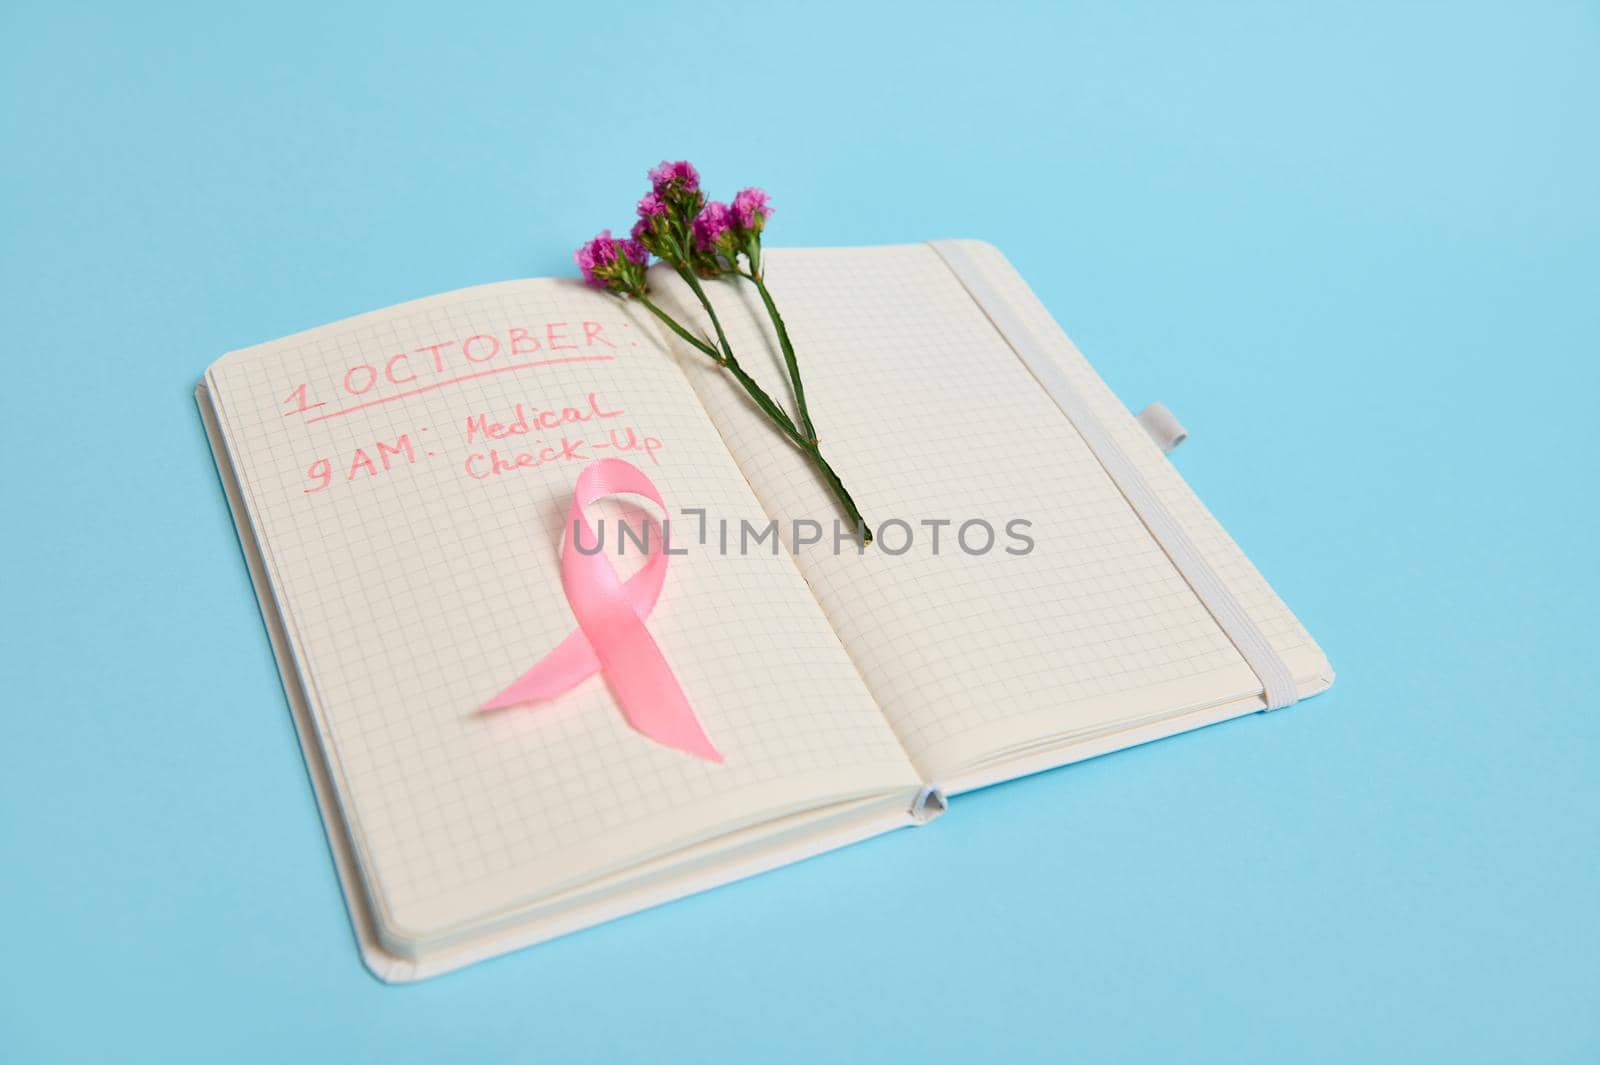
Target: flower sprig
<point x="706" y="240"/>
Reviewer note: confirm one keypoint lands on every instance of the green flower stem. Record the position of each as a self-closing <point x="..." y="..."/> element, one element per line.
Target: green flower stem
<point x="757" y="393"/>
<point x="788" y="355"/>
<point x="705" y="301"/>
<point x="806" y="443"/>
<point x="851" y="511"/>
<point x="688" y="337"/>
<point x="766" y="403"/>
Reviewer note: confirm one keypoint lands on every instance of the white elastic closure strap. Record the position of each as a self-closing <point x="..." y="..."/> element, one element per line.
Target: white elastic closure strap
<point x="1277" y="682"/>
<point x="1163" y="428"/>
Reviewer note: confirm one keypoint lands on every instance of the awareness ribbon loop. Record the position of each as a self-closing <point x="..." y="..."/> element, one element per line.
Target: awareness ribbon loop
<point x="611" y="637"/>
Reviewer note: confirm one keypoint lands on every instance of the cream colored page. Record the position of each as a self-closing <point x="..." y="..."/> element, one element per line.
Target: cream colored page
<point x="413" y="556"/>
<point x="1277" y="622"/>
<point x="929" y="416"/>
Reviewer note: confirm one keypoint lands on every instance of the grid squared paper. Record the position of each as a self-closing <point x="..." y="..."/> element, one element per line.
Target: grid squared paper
<point x="412" y="594"/>
<point x="927" y="414"/>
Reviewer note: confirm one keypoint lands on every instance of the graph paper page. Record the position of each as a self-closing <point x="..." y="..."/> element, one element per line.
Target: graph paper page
<point x="410" y="532"/>
<point x="932" y="421"/>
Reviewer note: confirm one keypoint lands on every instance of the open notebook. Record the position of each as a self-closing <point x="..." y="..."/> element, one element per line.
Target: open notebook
<point x="406" y="576"/>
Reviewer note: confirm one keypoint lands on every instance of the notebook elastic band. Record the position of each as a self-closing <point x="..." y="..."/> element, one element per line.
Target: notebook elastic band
<point x="1277" y="682"/>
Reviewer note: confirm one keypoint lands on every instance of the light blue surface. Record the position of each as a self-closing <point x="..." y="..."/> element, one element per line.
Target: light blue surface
<point x="1354" y="250"/>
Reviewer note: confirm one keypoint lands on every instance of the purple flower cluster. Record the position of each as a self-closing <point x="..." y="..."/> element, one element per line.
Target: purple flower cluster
<point x="674" y="177"/>
<point x="676" y="223"/>
<point x="710" y="226"/>
<point x="750" y="209"/>
<point x="698" y="238"/>
<point x="653" y="211"/>
<point x="651" y="205"/>
<point x="609" y="263"/>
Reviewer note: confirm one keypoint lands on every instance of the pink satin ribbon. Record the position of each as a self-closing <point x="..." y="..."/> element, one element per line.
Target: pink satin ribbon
<point x="611" y="637"/>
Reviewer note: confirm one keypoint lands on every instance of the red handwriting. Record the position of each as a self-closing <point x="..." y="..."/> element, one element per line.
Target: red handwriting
<point x="525" y="438"/>
<point x="482" y="466"/>
<point x="524" y="421"/>
<point x="363" y="462"/>
<point x="449" y="362"/>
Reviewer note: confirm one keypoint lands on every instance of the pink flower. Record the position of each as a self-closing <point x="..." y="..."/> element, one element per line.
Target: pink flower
<point x="609" y="263"/>
<point x="710" y="224"/>
<point x="653" y="212"/>
<point x="634" y="251"/>
<point x="599" y="253"/>
<point x="652" y="205"/>
<point x="682" y="174"/>
<point x="750" y="209"/>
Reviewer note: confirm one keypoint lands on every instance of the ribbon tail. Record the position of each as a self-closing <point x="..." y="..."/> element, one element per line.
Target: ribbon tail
<point x="571" y="663"/>
<point x="649" y="695"/>
<point x="671" y="727"/>
<point x="680" y="731"/>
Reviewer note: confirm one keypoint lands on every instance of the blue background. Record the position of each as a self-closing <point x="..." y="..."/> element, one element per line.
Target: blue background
<point x="1354" y="248"/>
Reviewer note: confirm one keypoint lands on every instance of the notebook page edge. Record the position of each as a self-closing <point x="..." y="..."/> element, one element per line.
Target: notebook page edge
<point x="1067" y="753"/>
<point x="381" y="964"/>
